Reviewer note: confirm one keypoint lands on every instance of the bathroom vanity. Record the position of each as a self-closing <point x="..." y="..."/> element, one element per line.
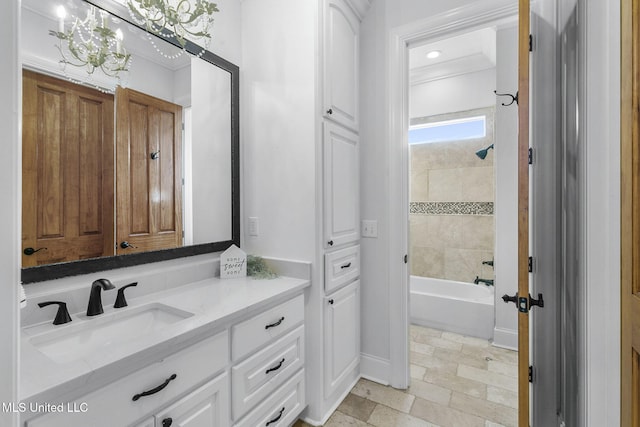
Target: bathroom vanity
<point x="210" y="353"/>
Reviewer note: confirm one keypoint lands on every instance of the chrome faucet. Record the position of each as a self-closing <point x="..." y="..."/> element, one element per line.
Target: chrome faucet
<point x="478" y="280"/>
<point x="95" y="299"/>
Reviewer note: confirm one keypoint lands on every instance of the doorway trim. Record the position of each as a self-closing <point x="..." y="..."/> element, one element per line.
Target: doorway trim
<point x="447" y="24"/>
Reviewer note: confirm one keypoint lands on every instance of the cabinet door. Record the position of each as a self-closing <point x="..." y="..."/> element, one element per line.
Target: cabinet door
<point x="207" y="406"/>
<point x="341" y="186"/>
<point x="341" y="63"/>
<point x="342" y="337"/>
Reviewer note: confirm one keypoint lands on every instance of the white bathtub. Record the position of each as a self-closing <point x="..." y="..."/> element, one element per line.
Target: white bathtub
<point x="451" y="306"/>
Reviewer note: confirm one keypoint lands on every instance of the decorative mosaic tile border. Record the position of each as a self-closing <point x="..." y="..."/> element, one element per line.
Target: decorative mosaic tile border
<point x="451" y="208"/>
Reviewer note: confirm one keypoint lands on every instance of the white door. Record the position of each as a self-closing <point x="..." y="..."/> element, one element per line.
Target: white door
<point x="208" y="406"/>
<point x="341" y="48"/>
<point x="342" y="336"/>
<point x="341" y="186"/>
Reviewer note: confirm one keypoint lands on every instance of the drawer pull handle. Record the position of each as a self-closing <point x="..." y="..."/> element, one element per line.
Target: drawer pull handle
<point x="275" y="420"/>
<point x="167" y="422"/>
<point x="347" y="265"/>
<point x="273" y="325"/>
<point x="275" y="368"/>
<point x="155" y="390"/>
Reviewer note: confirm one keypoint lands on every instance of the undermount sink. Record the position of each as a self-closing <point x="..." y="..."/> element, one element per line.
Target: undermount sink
<point x="80" y="339"/>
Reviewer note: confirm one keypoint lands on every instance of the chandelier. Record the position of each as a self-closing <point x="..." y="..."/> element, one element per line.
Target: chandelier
<point x="91" y="44"/>
<point x="181" y="19"/>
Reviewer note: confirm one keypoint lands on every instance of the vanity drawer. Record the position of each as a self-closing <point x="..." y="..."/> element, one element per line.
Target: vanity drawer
<point x="265" y="327"/>
<point x="341" y="267"/>
<point x="281" y="409"/>
<point x="113" y="405"/>
<point x="257" y="377"/>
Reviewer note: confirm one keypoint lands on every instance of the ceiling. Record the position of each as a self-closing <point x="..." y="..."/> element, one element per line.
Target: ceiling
<point x="466" y="53"/>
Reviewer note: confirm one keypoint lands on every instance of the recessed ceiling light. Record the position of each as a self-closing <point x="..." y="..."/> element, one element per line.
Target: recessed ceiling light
<point x="433" y="54"/>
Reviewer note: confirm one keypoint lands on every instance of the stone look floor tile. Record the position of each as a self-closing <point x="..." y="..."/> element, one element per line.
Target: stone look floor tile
<point x="384" y="416"/>
<point x="443" y="415"/>
<point x="338" y="419"/>
<point x="493" y="353"/>
<point x="503" y="368"/>
<point x="431" y="392"/>
<point x="427" y="361"/>
<point x="489" y="378"/>
<point x="488" y="410"/>
<point x="357" y="407"/>
<point x="416" y="333"/>
<point x="502" y="396"/>
<point x="416" y="371"/>
<point x="378" y="393"/>
<point x="472" y="341"/>
<point x="421" y="348"/>
<point x="442" y="343"/>
<point x="456" y="383"/>
<point x="460" y="358"/>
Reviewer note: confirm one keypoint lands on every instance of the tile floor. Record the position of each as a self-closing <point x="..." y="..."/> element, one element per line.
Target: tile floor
<point x="456" y="381"/>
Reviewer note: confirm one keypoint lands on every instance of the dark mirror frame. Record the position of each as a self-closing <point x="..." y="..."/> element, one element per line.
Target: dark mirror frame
<point x="74" y="268"/>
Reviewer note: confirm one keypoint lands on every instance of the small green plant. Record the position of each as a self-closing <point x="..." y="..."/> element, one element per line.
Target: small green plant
<point x="258" y="268"/>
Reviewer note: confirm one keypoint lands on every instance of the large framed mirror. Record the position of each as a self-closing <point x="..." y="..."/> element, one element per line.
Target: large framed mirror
<point x="130" y="142"/>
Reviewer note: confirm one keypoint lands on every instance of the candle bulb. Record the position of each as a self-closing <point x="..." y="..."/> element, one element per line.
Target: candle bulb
<point x="62" y="13"/>
<point x="119" y="38"/>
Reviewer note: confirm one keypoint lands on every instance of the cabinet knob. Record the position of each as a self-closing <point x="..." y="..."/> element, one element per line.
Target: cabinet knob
<point x="167" y="422"/>
<point x="330" y="111"/>
<point x="330" y="243"/>
<point x="331" y="301"/>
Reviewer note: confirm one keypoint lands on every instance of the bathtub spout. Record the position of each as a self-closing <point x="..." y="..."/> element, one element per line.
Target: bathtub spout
<point x="487" y="282"/>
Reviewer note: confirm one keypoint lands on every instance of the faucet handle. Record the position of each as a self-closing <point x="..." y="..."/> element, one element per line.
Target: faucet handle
<point x="120" y="299"/>
<point x="62" y="316"/>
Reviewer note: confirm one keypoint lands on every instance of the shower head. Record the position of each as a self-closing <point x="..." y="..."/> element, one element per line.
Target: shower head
<point x="483" y="153"/>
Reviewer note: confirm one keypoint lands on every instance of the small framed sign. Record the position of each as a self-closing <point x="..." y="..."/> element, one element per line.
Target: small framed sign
<point x="233" y="263"/>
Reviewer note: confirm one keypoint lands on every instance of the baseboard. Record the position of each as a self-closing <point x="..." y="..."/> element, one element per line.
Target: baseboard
<point x="333" y="408"/>
<point x="505" y="338"/>
<point x="375" y="369"/>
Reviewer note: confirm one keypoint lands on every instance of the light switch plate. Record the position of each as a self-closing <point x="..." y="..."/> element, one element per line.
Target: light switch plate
<point x="369" y="228"/>
<point x="253" y="226"/>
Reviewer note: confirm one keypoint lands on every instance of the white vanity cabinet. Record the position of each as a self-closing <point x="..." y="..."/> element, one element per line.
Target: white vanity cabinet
<point x="208" y="406"/>
<point x="341" y="64"/>
<point x="341" y="338"/>
<point x="252" y="371"/>
<point x="140" y="393"/>
<point x="341" y="186"/>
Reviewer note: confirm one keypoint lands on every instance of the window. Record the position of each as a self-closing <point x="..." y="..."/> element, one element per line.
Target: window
<point x="449" y="130"/>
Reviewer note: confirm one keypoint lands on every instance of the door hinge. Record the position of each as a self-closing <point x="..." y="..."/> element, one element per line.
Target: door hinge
<point x="406" y="258"/>
<point x="530" y="155"/>
<point x="531" y="374"/>
<point x="530" y="264"/>
<point x="530" y="43"/>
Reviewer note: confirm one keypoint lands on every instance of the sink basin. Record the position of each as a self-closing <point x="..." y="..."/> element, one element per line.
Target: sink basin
<point x="80" y="339"/>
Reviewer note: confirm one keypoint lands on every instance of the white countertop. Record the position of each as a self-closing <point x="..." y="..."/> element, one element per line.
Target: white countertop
<point x="215" y="304"/>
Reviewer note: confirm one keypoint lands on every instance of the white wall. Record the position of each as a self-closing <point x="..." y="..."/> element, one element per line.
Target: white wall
<point x="278" y="126"/>
<point x="600" y="174"/>
<point x="210" y="166"/>
<point x="459" y="93"/>
<point x="10" y="117"/>
<point x="506" y="208"/>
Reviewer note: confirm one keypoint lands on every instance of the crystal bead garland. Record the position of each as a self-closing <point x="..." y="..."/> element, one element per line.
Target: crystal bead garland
<point x="182" y="20"/>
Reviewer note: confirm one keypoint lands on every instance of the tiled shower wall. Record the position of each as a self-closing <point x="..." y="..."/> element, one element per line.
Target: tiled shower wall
<point x="451" y="218"/>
